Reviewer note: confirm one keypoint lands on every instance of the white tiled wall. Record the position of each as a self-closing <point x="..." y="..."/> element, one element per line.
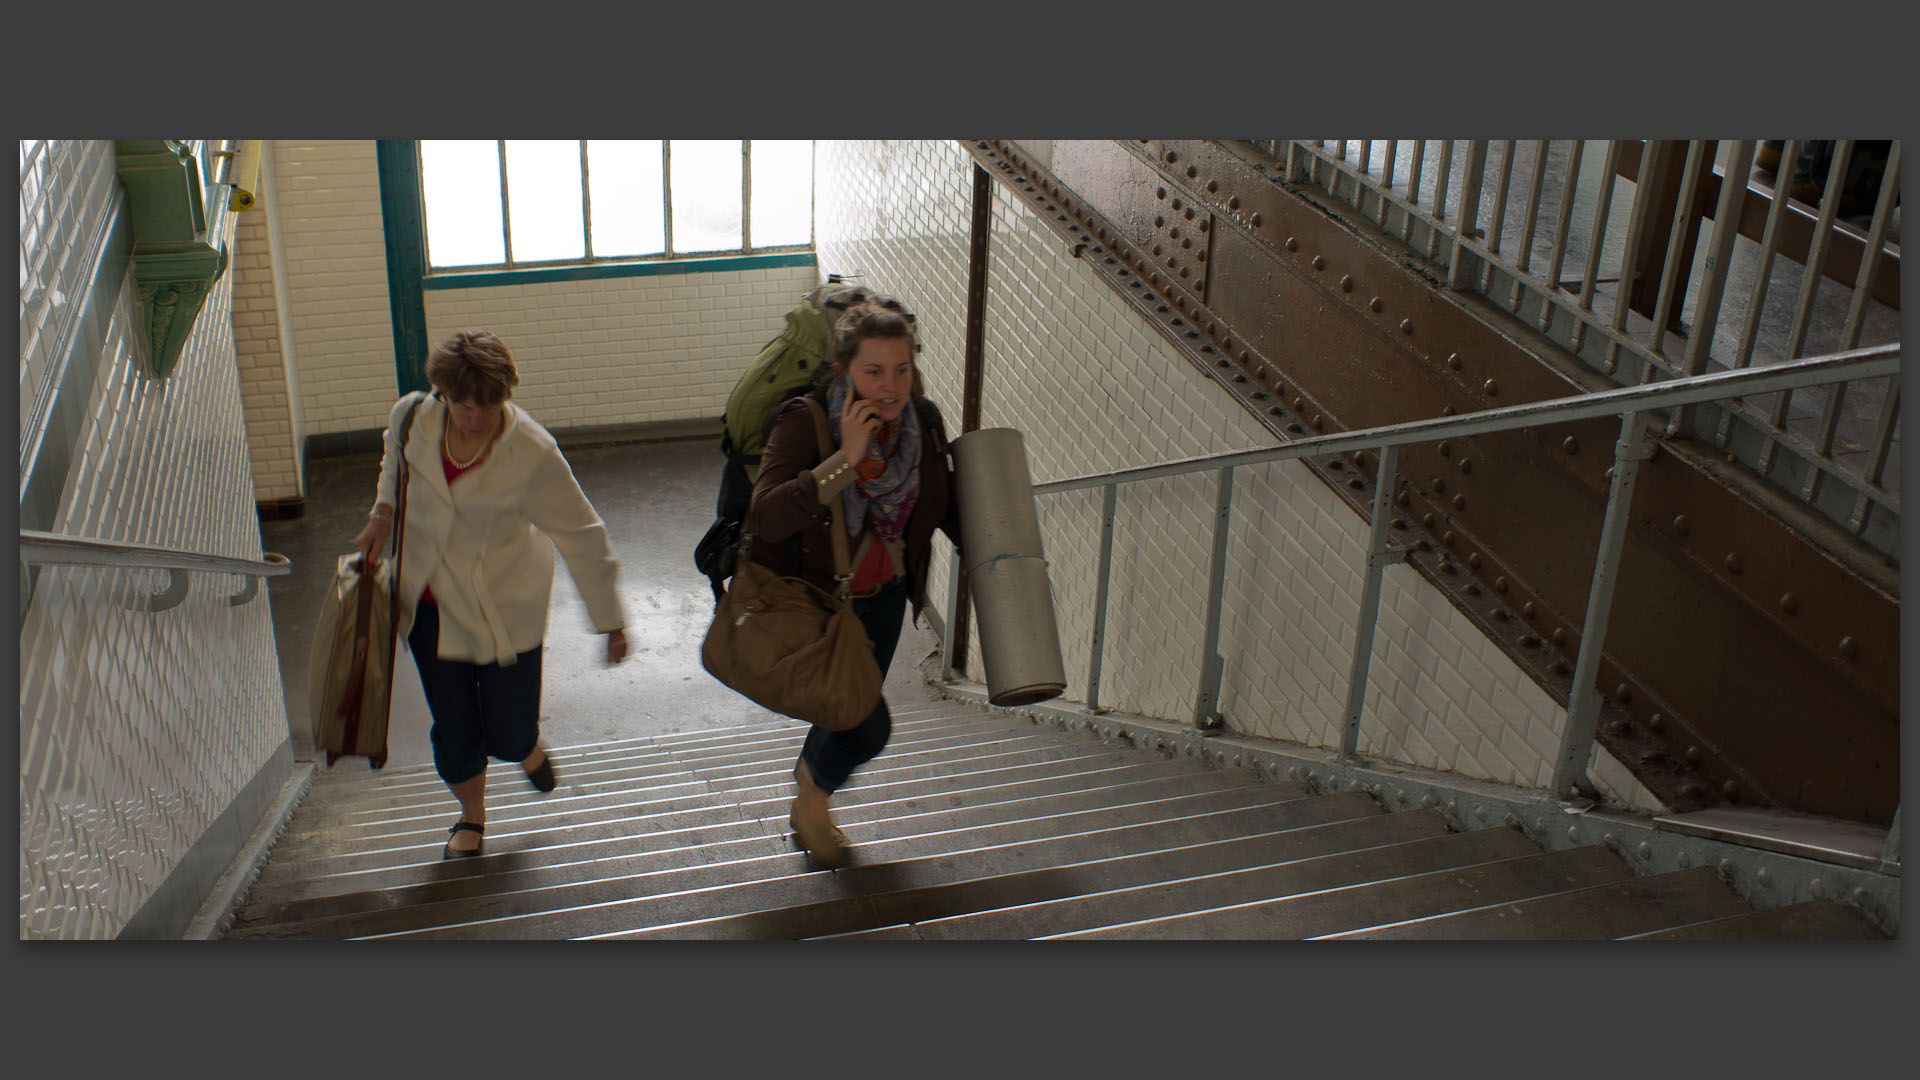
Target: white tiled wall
<point x="272" y="441"/>
<point x="1093" y="388"/>
<point x="627" y="350"/>
<point x="138" y="729"/>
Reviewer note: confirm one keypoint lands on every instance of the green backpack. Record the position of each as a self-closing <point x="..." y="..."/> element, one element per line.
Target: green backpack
<point x="785" y="368"/>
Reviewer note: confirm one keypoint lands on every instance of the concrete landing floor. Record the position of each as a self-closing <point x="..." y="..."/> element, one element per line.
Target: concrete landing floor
<point x="657" y="500"/>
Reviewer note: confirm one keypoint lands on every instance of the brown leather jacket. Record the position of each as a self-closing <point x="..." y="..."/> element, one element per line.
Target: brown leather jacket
<point x="789" y="522"/>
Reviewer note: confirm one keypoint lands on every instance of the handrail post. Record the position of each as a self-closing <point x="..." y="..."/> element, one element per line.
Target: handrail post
<point x="1378" y="557"/>
<point x="1583" y="703"/>
<point x="1206" y="705"/>
<point x="953" y="616"/>
<point x="1108" y="500"/>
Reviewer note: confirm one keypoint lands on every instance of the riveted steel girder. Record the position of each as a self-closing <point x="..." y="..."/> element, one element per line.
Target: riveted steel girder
<point x="1753" y="653"/>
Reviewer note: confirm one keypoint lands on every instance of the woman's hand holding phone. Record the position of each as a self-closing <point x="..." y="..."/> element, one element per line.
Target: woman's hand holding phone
<point x="858" y="421"/>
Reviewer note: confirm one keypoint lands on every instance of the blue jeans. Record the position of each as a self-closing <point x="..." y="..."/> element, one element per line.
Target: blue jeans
<point x="831" y="756"/>
<point x="479" y="710"/>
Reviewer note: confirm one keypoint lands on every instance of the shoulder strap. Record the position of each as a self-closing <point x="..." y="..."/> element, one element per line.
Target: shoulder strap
<point x="842" y="572"/>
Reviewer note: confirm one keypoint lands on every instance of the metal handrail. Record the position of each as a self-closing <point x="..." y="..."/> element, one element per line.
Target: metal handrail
<point x="60" y="549"/>
<point x="1634" y="448"/>
<point x="1793" y="374"/>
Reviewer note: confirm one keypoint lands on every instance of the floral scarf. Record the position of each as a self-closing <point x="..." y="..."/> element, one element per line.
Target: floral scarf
<point x="888" y="481"/>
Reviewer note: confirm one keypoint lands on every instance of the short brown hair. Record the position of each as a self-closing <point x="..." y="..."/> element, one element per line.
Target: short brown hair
<point x="473" y="366"/>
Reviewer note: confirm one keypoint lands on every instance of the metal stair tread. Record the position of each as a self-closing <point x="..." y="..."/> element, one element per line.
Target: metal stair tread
<point x="1618" y="909"/>
<point x="1828" y="920"/>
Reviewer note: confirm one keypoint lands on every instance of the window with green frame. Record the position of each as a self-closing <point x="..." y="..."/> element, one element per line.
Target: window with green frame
<point x="523" y="203"/>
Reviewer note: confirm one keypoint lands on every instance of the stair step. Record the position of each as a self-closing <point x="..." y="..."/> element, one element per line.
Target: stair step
<point x="971" y="889"/>
<point x="1813" y="919"/>
<point x="1254" y="884"/>
<point x="1634" y="906"/>
<point x="615" y="875"/>
<point x="1334" y="911"/>
<point x="887" y="792"/>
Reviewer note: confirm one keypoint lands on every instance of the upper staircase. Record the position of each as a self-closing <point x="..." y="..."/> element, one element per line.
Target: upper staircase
<point x="973" y="824"/>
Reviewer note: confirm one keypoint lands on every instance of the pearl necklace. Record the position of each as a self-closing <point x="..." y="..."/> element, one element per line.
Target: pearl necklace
<point x="447" y="439"/>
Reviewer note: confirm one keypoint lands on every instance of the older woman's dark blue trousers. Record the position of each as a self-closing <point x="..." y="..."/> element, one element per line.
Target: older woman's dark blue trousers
<point x="833" y="755"/>
<point x="479" y="710"/>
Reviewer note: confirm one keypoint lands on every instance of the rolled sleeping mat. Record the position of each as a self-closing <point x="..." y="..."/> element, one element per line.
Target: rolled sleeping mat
<point x="1007" y="569"/>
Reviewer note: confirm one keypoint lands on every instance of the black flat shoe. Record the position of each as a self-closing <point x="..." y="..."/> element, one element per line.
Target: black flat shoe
<point x="542" y="778"/>
<point x="449" y="852"/>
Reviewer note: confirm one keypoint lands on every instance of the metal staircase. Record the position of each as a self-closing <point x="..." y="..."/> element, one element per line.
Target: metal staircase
<point x="974" y="824"/>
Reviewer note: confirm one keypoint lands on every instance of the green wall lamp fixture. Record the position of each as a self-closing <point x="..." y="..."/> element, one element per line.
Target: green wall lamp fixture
<point x="175" y="261"/>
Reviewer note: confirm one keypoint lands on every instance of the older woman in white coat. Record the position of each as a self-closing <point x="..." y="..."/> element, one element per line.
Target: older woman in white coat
<point x="489" y="499"/>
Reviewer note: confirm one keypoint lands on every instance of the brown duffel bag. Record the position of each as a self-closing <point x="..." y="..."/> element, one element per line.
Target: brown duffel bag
<point x="351" y="667"/>
<point x="790" y="646"/>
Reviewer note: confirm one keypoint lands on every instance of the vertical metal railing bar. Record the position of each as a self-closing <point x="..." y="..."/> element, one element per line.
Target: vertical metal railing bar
<point x="1883" y="431"/>
<point x="1206" y="706"/>
<point x="1583" y="703"/>
<point x="1763" y="273"/>
<point x="953" y="616"/>
<point x="1441" y="186"/>
<point x="1678" y="253"/>
<point x="1369" y="615"/>
<point x="1499" y="225"/>
<point x="1413" y="186"/>
<point x="1876" y="245"/>
<point x="1562" y="225"/>
<point x="1392" y="159"/>
<point x="1602" y="216"/>
<point x="1803" y="310"/>
<point x="1652" y="155"/>
<point x="1706" y="308"/>
<point x="1108" y="501"/>
<point x="1467" y="225"/>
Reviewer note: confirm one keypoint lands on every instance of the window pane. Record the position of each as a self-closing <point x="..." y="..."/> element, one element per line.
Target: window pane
<point x="629" y="205"/>
<point x="544" y="211"/>
<point x="782" y="192"/>
<point x="705" y="186"/>
<point x="460" y="185"/>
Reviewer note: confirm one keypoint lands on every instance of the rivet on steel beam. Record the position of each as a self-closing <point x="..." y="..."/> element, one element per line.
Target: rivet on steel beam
<point x="1466" y="465"/>
<point x="1427" y="520"/>
<point x="1560" y="638"/>
<point x="1183" y="271"/>
<point x="1471" y="589"/>
<point x="1818" y="888"/>
<point x="1255" y="220"/>
<point x="1372" y="305"/>
<point x="1617" y="727"/>
<point x="1319" y="422"/>
<point x="1623" y="693"/>
<point x="1658" y="721"/>
<point x="1448" y="568"/>
<point x="1529" y="639"/>
<point x="1453" y="361"/>
<point x="1733" y="562"/>
<point x="1447" y="410"/>
<point x="1473" y="560"/>
<point x="1500" y="584"/>
<point x="1406" y="326"/>
<point x="1346" y="282"/>
<point x="1645" y="849"/>
<point x="1848" y="647"/>
<point x="1445" y="448"/>
<point x="1527" y="609"/>
<point x="1692" y="790"/>
<point x="1560" y="667"/>
<point x="1500" y="615"/>
<point x="1607" y="475"/>
<point x="1571" y="445"/>
<point x="1730" y="789"/>
<point x="1447" y="538"/>
<point x="1648" y="757"/>
<point x="1319" y="263"/>
<point x="1172" y="157"/>
<point x="1233" y="203"/>
<point x="1789" y="603"/>
<point x="1764" y="877"/>
<point x="1425" y="545"/>
<point x="1162" y="193"/>
<point x="1403" y="498"/>
<point x="1459" y="502"/>
<point x="1193" y="171"/>
<point x="1692" y="755"/>
<point x="1492" y="388"/>
<point x="1439" y="485"/>
<point x="1295" y="428"/>
<point x="1399" y="523"/>
<point x="1360" y="458"/>
<point x="1479" y="813"/>
<point x="1684" y="860"/>
<point x="1159" y="221"/>
<point x="1573" y="833"/>
<point x="1681" y="525"/>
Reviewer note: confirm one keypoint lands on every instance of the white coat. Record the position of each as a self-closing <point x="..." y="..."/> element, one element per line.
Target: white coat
<point x="485" y="544"/>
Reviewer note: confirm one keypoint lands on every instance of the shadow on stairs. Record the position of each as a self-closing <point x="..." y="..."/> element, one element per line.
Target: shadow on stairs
<point x="972" y="825"/>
